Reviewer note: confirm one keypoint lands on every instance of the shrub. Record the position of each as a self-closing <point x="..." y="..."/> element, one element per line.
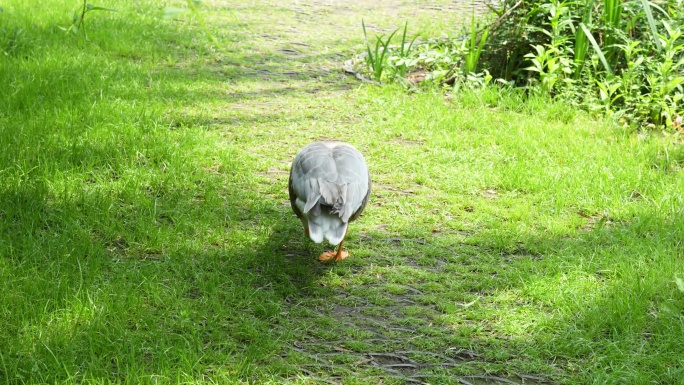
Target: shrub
<point x="624" y="58"/>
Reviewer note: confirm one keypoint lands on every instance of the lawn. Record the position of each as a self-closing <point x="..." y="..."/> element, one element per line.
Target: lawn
<point x="146" y="235"/>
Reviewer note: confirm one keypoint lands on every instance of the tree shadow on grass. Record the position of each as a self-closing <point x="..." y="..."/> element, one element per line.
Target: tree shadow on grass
<point x="126" y="255"/>
<point x="119" y="288"/>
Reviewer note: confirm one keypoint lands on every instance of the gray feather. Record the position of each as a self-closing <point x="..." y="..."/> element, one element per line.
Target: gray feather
<point x="331" y="177"/>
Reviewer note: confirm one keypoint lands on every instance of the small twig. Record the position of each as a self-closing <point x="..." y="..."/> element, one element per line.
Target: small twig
<point x="534" y="378"/>
<point x="437" y="355"/>
<point x="83" y="12"/>
<point x="347" y="67"/>
<point x="400" y="366"/>
<point x="505" y="14"/>
<point x="392" y="355"/>
<point x="494" y="378"/>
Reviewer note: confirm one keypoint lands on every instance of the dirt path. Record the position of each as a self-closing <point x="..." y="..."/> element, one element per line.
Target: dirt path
<point x="284" y="65"/>
<point x="285" y="88"/>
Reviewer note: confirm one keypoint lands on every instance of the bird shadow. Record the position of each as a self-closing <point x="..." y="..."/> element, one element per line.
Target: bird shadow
<point x="294" y="256"/>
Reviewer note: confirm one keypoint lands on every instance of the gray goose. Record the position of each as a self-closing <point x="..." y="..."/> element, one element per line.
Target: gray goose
<point x="329" y="187"/>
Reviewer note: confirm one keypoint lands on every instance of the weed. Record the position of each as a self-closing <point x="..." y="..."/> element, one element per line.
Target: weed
<point x="609" y="92"/>
<point x="401" y="61"/>
<point x="473" y="48"/>
<point x="78" y="19"/>
<point x="377" y="57"/>
<point x="550" y="66"/>
<point x="597" y="49"/>
<point x="651" y="23"/>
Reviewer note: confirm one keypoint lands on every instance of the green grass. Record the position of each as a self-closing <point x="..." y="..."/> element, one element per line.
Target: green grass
<point x="146" y="237"/>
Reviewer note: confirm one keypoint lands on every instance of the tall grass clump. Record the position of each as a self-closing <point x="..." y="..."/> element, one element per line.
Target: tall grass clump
<point x="376" y="55"/>
<point x="473" y="47"/>
<point x="582" y="36"/>
<point x="612" y="21"/>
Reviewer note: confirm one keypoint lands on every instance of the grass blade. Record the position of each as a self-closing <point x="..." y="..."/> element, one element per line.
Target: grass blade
<point x="93" y="8"/>
<point x="597" y="48"/>
<point x="581" y="41"/>
<point x="680" y="284"/>
<point x="657" y="7"/>
<point x="612" y="14"/>
<point x="385" y="51"/>
<point x="403" y="39"/>
<point x="651" y="23"/>
<point x="370" y="59"/>
<point x="365" y="35"/>
<point x="483" y="39"/>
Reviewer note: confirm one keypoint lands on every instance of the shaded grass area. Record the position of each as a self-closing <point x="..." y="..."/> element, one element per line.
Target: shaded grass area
<point x="146" y="237"/>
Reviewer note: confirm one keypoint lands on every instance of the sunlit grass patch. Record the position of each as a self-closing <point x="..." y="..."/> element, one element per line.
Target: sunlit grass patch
<point x="146" y="236"/>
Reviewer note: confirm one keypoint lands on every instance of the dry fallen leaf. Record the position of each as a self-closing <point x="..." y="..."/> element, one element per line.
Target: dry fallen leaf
<point x="677" y="124"/>
<point x="489" y="193"/>
<point x="680" y="283"/>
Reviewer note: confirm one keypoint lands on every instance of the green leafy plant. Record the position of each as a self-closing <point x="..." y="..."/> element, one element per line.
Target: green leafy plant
<point x="402" y="61"/>
<point x="608" y="92"/>
<point x="617" y="58"/>
<point x="666" y="85"/>
<point x="631" y="74"/>
<point x="78" y="21"/>
<point x="651" y="23"/>
<point x="550" y="65"/>
<point x="559" y="21"/>
<point x="439" y="59"/>
<point x="597" y="48"/>
<point x="377" y="57"/>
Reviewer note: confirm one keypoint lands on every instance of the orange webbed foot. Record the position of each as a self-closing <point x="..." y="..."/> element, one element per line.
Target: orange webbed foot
<point x="326" y="256"/>
<point x="341" y="255"/>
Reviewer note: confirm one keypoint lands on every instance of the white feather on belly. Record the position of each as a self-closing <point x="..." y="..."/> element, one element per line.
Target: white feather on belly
<point x="324" y="225"/>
